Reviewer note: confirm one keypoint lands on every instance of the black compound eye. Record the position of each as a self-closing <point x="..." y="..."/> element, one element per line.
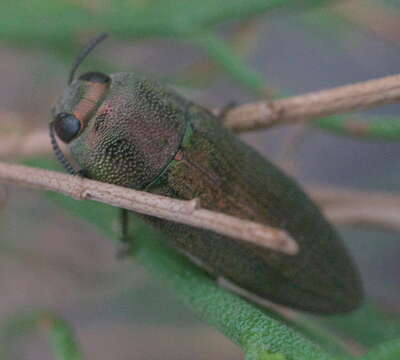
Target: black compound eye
<point x="66" y="126"/>
<point x="95" y="77"/>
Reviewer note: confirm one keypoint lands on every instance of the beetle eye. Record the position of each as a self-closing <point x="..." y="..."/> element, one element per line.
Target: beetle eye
<point x="95" y="77"/>
<point x="66" y="126"/>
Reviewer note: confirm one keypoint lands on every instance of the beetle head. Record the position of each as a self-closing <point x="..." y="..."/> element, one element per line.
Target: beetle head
<point x="122" y="129"/>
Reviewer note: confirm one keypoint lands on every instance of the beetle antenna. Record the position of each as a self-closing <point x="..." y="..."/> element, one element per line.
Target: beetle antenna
<point x="84" y="53"/>
<point x="58" y="152"/>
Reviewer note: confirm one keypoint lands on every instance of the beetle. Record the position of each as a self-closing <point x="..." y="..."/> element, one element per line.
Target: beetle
<point x="129" y="130"/>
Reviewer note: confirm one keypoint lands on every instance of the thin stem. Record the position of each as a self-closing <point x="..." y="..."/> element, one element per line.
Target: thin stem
<point x="182" y="211"/>
<point x="221" y="53"/>
<point x="25" y="144"/>
<point x="263" y="114"/>
<point x="359" y="96"/>
<point x="61" y="335"/>
<point x="352" y="207"/>
<point x="381" y="127"/>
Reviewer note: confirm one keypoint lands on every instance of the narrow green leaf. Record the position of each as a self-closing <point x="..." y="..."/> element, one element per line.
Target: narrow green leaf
<point x="61" y="335"/>
<point x="62" y="339"/>
<point x="373" y="127"/>
<point x="57" y="22"/>
<point x="255" y="330"/>
<point x="386" y="351"/>
<point x="368" y="326"/>
<point x="220" y="52"/>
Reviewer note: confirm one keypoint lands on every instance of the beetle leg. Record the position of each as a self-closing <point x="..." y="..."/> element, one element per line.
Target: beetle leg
<point x="126" y="244"/>
<point x="126" y="249"/>
<point x="123" y="219"/>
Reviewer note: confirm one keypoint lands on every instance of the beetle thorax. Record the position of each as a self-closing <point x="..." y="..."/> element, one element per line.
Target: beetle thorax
<point x="134" y="133"/>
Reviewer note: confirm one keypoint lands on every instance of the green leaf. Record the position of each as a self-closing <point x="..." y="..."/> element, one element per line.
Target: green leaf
<point x="220" y="52"/>
<point x="62" y="339"/>
<point x="61" y="335"/>
<point x="373" y="127"/>
<point x="386" y="351"/>
<point x="265" y="356"/>
<point x="55" y="23"/>
<point x="254" y="329"/>
<point x="368" y="326"/>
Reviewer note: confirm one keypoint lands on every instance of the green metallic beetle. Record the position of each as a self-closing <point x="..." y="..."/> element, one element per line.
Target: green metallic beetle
<point x="128" y="130"/>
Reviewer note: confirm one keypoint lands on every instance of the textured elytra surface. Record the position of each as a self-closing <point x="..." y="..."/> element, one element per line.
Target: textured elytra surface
<point x="228" y="176"/>
<point x="132" y="141"/>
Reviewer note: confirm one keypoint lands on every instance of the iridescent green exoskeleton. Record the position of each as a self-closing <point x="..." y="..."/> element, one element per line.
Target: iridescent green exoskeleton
<point x="131" y="131"/>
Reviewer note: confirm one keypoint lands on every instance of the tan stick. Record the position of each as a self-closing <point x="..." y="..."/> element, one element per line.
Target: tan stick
<point x="352" y="207"/>
<point x="258" y="115"/>
<point x="359" y="96"/>
<point x="25" y="144"/>
<point x="185" y="212"/>
<point x="373" y="217"/>
<point x="331" y="196"/>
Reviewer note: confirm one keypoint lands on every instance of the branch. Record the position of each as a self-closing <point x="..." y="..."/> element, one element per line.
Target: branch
<point x="18" y="139"/>
<point x="182" y="211"/>
<point x="374" y="17"/>
<point x="341" y="206"/>
<point x="386" y="219"/>
<point x="25" y="144"/>
<point x="61" y="336"/>
<point x="359" y="96"/>
<point x="330" y="195"/>
<point x="354" y="207"/>
<point x="259" y="332"/>
<point x="259" y="115"/>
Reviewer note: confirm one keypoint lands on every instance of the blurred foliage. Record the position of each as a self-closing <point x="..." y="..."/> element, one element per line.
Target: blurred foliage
<point x="368" y="326"/>
<point x="59" y="21"/>
<point x="374" y="127"/>
<point x="59" y="27"/>
<point x="61" y="336"/>
<point x="393" y="3"/>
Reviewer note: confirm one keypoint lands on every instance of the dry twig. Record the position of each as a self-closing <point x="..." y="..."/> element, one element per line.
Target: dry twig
<point x="372" y="16"/>
<point x="354" y="207"/>
<point x="18" y="139"/>
<point x="387" y="219"/>
<point x="342" y="206"/>
<point x="185" y="212"/>
<point x="331" y="196"/>
<point x="359" y="96"/>
<point x="258" y="115"/>
<point x="25" y="144"/>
